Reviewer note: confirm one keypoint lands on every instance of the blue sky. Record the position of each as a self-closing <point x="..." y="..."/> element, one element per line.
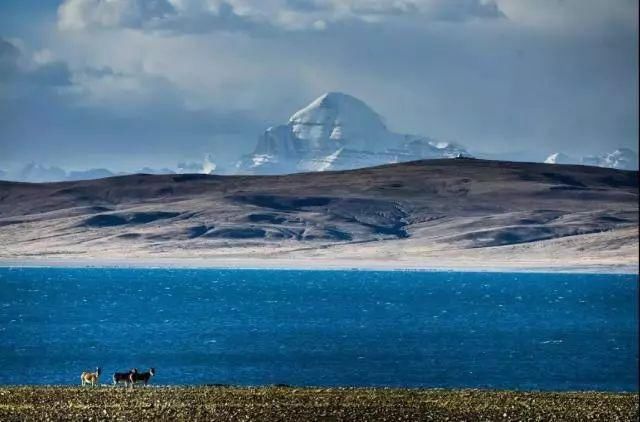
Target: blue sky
<point x="125" y="84"/>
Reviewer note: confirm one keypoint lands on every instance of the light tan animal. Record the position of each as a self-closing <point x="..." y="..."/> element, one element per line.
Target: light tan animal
<point x="90" y="378"/>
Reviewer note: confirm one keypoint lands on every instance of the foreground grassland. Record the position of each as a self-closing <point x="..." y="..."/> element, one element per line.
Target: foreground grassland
<point x="302" y="404"/>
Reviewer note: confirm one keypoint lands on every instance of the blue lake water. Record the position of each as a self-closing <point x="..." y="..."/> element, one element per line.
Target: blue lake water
<point x="322" y="328"/>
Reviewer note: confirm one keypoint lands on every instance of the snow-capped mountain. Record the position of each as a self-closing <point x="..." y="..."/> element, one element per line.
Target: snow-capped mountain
<point x="38" y="173"/>
<point x="621" y="158"/>
<point x="561" y="158"/>
<point x="207" y="166"/>
<point x="336" y="120"/>
<point x="35" y="172"/>
<point x="335" y="132"/>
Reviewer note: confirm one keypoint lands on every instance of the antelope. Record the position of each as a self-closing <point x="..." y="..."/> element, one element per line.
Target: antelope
<point x="141" y="376"/>
<point x="90" y="378"/>
<point x="124" y="377"/>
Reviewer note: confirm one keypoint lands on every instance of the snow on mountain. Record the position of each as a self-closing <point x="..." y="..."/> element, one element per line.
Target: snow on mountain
<point x="37" y="173"/>
<point x="561" y="158"/>
<point x="34" y="172"/>
<point x="207" y="166"/>
<point x="622" y="159"/>
<point x="428" y="148"/>
<point x="335" y="120"/>
<point x="335" y="132"/>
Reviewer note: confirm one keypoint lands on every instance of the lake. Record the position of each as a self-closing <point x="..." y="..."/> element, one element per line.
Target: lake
<point x="321" y="328"/>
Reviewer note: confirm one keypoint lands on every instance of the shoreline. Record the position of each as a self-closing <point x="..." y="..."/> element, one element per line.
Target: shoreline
<point x="312" y="265"/>
<point x="306" y="403"/>
<point x="311" y="388"/>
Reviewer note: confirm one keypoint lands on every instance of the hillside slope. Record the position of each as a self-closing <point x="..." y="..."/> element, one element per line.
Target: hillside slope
<point x="422" y="213"/>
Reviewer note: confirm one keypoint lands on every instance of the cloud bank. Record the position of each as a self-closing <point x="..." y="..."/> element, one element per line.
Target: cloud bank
<point x="288" y="15"/>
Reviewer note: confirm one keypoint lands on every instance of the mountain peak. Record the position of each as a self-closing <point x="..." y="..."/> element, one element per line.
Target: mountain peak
<point x="338" y="96"/>
<point x="338" y="101"/>
<point x="337" y="120"/>
<point x="560" y="158"/>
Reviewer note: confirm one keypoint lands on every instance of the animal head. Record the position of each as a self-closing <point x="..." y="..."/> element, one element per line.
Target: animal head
<point x="152" y="371"/>
<point x="98" y="370"/>
<point x="134" y="371"/>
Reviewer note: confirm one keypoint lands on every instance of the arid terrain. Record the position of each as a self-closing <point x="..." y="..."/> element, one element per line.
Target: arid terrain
<point x="459" y="213"/>
<point x="306" y="404"/>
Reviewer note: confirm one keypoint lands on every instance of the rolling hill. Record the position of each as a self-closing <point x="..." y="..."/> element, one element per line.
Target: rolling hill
<point x="445" y="212"/>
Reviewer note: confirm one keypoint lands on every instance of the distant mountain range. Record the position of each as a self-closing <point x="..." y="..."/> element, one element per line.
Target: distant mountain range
<point x="336" y="131"/>
<point x="36" y="173"/>
<point x="622" y="159"/>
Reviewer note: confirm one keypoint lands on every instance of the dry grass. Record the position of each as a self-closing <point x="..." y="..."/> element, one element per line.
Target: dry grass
<point x="302" y="404"/>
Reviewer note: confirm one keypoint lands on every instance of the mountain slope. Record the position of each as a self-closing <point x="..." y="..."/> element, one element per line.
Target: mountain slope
<point x="420" y="210"/>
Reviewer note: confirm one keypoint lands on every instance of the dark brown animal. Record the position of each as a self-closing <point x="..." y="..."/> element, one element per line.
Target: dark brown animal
<point x="123" y="377"/>
<point x="137" y="377"/>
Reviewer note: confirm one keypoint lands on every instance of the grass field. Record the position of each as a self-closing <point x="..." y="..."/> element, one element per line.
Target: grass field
<point x="302" y="404"/>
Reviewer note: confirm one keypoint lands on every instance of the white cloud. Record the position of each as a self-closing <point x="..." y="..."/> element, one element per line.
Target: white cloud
<point x="81" y="14"/>
<point x="221" y="72"/>
<point x="571" y="14"/>
<point x="191" y="15"/>
<point x="44" y="56"/>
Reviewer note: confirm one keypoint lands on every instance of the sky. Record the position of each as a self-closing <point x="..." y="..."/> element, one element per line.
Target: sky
<point x="125" y="84"/>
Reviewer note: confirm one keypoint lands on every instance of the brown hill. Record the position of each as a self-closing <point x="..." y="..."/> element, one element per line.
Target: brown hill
<point x="434" y="211"/>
